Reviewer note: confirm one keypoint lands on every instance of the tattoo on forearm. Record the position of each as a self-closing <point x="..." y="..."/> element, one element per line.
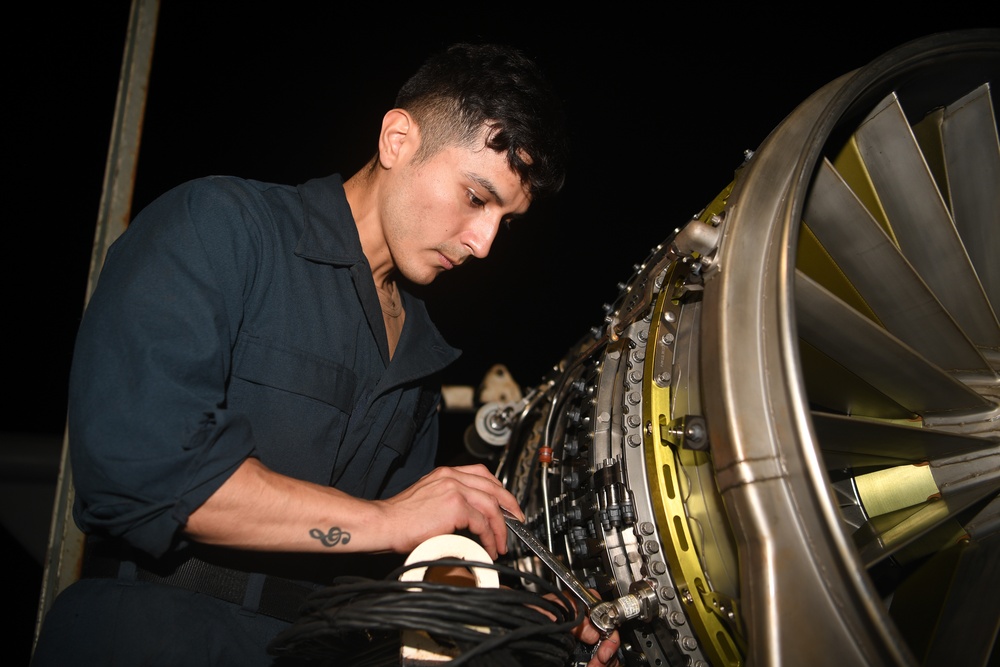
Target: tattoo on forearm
<point x="332" y="537"/>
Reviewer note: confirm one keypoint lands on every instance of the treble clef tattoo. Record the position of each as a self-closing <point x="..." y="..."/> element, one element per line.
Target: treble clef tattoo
<point x="331" y="538"/>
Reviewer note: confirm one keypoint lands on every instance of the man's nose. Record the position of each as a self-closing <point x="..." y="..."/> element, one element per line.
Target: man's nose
<point x="480" y="235"/>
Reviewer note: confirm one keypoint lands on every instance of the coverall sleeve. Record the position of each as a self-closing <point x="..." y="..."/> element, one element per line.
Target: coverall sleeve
<point x="150" y="435"/>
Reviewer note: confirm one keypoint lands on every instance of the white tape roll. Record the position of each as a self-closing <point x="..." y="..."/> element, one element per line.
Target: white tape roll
<point x="418" y="649"/>
<point x="452" y="546"/>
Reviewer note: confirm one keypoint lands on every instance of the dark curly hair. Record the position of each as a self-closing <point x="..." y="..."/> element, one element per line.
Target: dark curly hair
<point x="468" y="87"/>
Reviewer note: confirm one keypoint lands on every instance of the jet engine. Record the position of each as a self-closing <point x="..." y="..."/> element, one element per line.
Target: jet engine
<point x="781" y="446"/>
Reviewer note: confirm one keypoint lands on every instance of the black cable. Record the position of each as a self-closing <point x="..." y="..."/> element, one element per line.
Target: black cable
<point x="360" y="621"/>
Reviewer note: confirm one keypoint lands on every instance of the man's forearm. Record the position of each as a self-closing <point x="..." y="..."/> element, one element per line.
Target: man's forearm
<point x="259" y="509"/>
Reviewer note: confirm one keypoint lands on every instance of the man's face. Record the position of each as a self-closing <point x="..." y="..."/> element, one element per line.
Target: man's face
<point x="439" y="212"/>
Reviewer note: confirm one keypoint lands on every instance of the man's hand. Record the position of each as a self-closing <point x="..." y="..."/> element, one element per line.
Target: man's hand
<point x="604" y="655"/>
<point x="606" y="648"/>
<point x="448" y="500"/>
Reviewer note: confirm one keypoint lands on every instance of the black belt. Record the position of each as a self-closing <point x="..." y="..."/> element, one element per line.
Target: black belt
<point x="272" y="596"/>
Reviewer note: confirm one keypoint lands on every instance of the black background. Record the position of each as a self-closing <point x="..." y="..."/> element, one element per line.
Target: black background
<point x="662" y="103"/>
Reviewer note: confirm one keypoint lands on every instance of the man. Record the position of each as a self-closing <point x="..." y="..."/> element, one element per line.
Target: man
<point x="253" y="396"/>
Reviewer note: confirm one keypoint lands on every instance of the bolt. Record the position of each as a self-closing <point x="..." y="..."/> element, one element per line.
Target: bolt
<point x="695" y="432"/>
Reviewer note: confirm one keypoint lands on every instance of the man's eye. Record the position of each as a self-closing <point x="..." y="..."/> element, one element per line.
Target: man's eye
<point x="474" y="200"/>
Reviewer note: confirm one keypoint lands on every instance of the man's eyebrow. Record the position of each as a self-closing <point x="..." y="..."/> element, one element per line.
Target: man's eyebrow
<point x="487" y="185"/>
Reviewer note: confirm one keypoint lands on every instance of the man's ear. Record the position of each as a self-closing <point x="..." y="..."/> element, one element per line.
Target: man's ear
<point x="398" y="139"/>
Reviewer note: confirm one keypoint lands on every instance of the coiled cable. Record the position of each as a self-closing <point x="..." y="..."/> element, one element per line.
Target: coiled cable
<point x="360" y="621"/>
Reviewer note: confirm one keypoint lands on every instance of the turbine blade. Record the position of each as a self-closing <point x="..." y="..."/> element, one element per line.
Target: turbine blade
<point x="921" y="222"/>
<point x="882" y="277"/>
<point x="877" y="357"/>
